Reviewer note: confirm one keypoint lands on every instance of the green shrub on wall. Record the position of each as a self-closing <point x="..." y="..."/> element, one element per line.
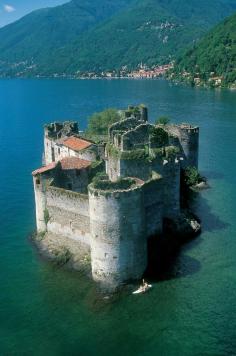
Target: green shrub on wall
<point x="137" y="154"/>
<point x="46" y="216"/>
<point x="62" y="256"/>
<point x="192" y="176"/>
<point x="121" y="184"/>
<point x="97" y="167"/>
<point x="100" y="176"/>
<point x="171" y="151"/>
<point x="159" y="136"/>
<point x="112" y="151"/>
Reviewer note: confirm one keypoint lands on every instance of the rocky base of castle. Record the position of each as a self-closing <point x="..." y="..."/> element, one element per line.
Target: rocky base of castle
<point x="63" y="252"/>
<point x="185" y="227"/>
<point x="201" y="186"/>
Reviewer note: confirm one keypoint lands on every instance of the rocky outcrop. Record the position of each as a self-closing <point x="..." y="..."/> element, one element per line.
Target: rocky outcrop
<point x="185" y="226"/>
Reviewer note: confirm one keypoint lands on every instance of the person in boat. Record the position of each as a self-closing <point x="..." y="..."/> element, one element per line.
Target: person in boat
<point x="144" y="286"/>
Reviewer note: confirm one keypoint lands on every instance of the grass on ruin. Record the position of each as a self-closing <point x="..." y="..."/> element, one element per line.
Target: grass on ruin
<point x="121" y="184"/>
<point x="62" y="256"/>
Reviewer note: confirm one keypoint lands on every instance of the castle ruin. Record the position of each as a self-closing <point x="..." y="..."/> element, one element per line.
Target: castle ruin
<point x="102" y="202"/>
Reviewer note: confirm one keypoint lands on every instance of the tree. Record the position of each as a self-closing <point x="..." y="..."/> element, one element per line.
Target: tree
<point x="192" y="176"/>
<point x="163" y="120"/>
<point x="99" y="122"/>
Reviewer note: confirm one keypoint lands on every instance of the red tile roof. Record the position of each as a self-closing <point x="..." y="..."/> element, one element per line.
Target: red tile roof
<point x="74" y="163"/>
<point x="66" y="163"/>
<point x="76" y="143"/>
<point x="49" y="167"/>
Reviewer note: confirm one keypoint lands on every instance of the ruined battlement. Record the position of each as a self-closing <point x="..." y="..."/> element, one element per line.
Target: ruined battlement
<point x="57" y="130"/>
<point x="105" y="211"/>
<point x="140" y="112"/>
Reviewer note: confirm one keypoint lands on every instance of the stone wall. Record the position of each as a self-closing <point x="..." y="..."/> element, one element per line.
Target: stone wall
<point x="40" y="203"/>
<point x="75" y="180"/>
<point x="189" y="141"/>
<point x="153" y="204"/>
<point x="68" y="214"/>
<point x="89" y="154"/>
<point x="136" y="138"/>
<point x="119" y="168"/>
<point x="123" y="125"/>
<point x="54" y="151"/>
<point x="113" y="167"/>
<point x="171" y="198"/>
<point x="57" y="130"/>
<point x="118" y="235"/>
<point x="135" y="168"/>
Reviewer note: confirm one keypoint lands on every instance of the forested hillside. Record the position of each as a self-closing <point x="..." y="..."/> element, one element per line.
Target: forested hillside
<point x="213" y="60"/>
<point x="91" y="35"/>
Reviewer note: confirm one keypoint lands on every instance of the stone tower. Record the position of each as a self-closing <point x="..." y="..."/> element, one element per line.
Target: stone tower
<point x="188" y="137"/>
<point x="118" y="234"/>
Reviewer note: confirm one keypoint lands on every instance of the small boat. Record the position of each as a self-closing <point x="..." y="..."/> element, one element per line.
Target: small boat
<point x="142" y="289"/>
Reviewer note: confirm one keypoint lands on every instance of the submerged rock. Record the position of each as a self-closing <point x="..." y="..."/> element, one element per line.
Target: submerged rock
<point x="185" y="226"/>
<point x="201" y="186"/>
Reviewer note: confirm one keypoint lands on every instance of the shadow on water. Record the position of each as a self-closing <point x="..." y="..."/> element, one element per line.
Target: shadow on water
<point x="165" y="257"/>
<point x="199" y="205"/>
<point x="213" y="175"/>
<point x="164" y="262"/>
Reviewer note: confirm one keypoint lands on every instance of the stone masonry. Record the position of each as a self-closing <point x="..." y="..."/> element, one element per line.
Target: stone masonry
<point x="109" y="219"/>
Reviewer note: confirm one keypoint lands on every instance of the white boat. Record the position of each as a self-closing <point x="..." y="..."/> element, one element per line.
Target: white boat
<point x="142" y="290"/>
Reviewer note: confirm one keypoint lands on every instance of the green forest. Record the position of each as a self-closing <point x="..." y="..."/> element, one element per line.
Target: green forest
<point x="105" y="35"/>
<point x="212" y="60"/>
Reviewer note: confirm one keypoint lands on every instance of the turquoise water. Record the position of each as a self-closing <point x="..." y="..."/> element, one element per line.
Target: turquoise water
<point x="50" y="311"/>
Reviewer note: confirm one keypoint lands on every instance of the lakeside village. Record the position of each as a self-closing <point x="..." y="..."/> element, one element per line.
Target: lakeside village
<point x="141" y="72"/>
<point x="196" y="79"/>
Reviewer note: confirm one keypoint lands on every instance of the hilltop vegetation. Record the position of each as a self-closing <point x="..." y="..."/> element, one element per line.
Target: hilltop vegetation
<point x="34" y="39"/>
<point x="91" y="35"/>
<point x="213" y="60"/>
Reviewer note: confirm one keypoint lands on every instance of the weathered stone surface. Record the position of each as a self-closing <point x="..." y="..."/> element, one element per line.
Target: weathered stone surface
<point x="118" y="235"/>
<point x="107" y="230"/>
<point x="64" y="251"/>
<point x="201" y="186"/>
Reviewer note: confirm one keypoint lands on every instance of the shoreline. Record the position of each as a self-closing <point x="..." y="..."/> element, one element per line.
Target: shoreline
<point x="170" y="81"/>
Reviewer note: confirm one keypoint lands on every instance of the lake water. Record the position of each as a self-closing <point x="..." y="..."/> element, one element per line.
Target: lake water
<point x="50" y="311"/>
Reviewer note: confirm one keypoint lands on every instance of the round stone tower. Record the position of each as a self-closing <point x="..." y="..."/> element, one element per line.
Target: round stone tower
<point x="118" y="237"/>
